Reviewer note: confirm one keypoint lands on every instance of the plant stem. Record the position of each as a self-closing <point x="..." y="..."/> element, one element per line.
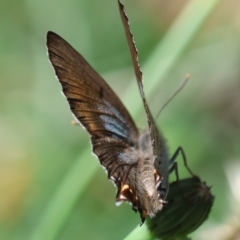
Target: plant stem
<point x="140" y="233"/>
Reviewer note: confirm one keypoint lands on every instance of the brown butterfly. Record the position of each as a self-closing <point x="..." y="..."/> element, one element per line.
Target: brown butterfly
<point x="137" y="162"/>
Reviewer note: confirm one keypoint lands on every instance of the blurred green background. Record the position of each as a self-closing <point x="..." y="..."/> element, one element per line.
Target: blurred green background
<point x="42" y="154"/>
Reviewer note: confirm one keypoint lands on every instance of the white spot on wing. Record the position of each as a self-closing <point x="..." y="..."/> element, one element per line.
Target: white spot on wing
<point x="118" y="203"/>
<point x="112" y="178"/>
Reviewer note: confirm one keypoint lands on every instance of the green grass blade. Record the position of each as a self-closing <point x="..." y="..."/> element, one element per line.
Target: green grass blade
<point x="66" y="196"/>
<point x="140" y="233"/>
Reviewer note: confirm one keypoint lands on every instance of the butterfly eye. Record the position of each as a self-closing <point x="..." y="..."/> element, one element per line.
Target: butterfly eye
<point x="162" y="192"/>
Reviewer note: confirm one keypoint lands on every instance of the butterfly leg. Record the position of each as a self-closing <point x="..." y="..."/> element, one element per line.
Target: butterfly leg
<point x="173" y="164"/>
<point x="174" y="168"/>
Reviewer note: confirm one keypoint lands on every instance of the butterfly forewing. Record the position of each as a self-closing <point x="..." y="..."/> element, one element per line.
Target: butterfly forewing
<point x="91" y="100"/>
<point x="158" y="145"/>
<point x="113" y="132"/>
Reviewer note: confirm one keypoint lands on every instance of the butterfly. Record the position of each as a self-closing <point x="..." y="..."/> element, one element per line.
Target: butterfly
<point x="137" y="162"/>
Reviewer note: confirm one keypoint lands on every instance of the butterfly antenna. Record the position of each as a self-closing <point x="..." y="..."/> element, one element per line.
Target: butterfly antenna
<point x="183" y="83"/>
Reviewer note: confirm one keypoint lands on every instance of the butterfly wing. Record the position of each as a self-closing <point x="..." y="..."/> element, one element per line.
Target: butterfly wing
<point x="160" y="154"/>
<point x="113" y="133"/>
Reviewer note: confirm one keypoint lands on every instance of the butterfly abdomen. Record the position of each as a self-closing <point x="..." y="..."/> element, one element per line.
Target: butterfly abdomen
<point x="146" y="180"/>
